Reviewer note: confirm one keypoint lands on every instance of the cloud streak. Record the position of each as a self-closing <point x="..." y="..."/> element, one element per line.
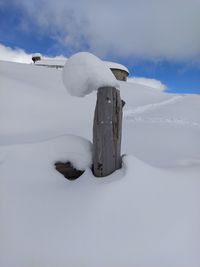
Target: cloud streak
<point x="15" y="55"/>
<point x="152" y="29"/>
<point x="19" y="55"/>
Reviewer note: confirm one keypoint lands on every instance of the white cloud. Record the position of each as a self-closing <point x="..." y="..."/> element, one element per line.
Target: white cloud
<point x="15" y="55"/>
<point x="151" y="29"/>
<point x="153" y="83"/>
<point x="19" y="55"/>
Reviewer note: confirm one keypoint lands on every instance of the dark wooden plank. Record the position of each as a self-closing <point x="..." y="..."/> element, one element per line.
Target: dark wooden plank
<point x="107" y="131"/>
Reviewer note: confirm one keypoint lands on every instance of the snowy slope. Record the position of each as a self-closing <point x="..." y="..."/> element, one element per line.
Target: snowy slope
<point x="142" y="215"/>
<point x="39" y="108"/>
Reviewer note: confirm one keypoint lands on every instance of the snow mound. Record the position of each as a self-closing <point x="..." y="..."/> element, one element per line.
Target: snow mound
<point x="122" y="220"/>
<point x="84" y="73"/>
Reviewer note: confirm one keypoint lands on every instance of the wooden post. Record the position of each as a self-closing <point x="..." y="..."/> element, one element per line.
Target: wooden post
<point x="107" y="131"/>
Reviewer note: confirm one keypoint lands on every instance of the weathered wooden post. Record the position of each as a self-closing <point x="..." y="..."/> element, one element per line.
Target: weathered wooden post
<point x="107" y="131"/>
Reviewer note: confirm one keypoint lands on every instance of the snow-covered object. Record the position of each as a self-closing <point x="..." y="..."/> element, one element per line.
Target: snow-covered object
<point x="84" y="73"/>
<point x="113" y="65"/>
<point x="60" y="62"/>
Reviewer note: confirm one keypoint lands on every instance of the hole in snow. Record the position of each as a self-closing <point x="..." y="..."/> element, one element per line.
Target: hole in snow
<point x="68" y="170"/>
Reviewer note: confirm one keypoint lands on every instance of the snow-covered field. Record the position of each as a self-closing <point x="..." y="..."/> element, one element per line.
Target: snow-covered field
<point x="144" y="215"/>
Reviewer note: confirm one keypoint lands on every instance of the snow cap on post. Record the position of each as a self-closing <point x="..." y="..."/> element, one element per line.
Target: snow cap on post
<point x="84" y="73"/>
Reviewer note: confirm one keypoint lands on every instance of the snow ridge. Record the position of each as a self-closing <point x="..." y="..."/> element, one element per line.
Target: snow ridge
<point x="160" y="120"/>
<point x="150" y="107"/>
<point x="131" y="114"/>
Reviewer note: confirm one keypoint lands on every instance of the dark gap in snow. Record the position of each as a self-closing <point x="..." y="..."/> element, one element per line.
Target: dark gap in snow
<point x="68" y="170"/>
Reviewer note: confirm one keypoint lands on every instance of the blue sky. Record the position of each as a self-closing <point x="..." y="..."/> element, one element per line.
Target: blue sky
<point x="154" y="41"/>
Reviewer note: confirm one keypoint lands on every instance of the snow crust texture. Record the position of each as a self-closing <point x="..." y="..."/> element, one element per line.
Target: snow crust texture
<point x="84" y="73"/>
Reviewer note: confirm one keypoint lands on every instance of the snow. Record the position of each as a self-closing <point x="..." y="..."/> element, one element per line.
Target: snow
<point x="84" y="73"/>
<point x="114" y="65"/>
<point x="140" y="215"/>
<point x="148" y="82"/>
<point x="146" y="214"/>
<point x="51" y="62"/>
